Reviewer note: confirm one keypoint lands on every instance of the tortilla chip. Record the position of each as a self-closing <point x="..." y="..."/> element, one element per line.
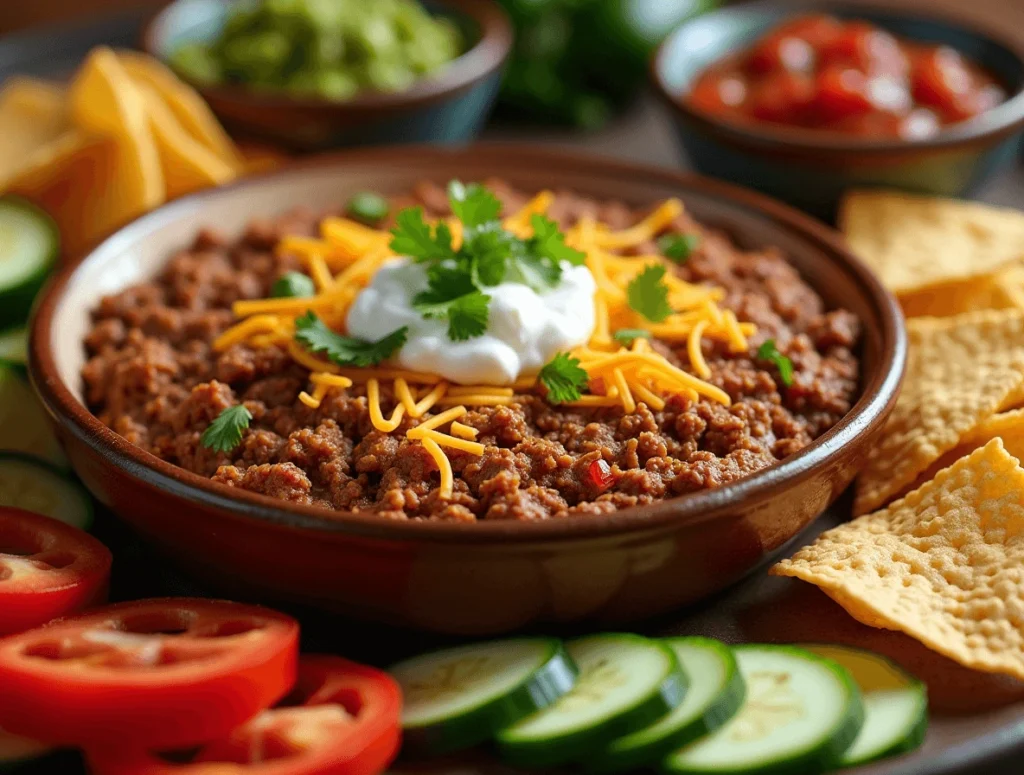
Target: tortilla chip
<point x="916" y="242"/>
<point x="960" y="371"/>
<point x="32" y="115"/>
<point x="945" y="565"/>
<point x="187" y="164"/>
<point x="104" y="101"/>
<point x="184" y="102"/>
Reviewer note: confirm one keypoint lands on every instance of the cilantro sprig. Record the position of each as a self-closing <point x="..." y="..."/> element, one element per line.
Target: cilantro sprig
<point x="769" y="352"/>
<point x="488" y="256"/>
<point x="563" y="378"/>
<point x="225" y="432"/>
<point x="647" y="293"/>
<point x="316" y="337"/>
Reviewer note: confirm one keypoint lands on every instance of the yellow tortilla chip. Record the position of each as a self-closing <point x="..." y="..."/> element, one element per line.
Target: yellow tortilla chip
<point x="187" y="164"/>
<point x="184" y="102"/>
<point x="915" y="242"/>
<point x="104" y="101"/>
<point x="945" y="565"/>
<point x="32" y="116"/>
<point x="960" y="371"/>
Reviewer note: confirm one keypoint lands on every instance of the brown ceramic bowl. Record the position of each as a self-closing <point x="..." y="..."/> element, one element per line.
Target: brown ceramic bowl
<point x="489" y="577"/>
<point x="448" y="107"/>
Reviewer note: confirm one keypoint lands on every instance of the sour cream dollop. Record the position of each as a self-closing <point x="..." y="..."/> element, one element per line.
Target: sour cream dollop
<point x="525" y="329"/>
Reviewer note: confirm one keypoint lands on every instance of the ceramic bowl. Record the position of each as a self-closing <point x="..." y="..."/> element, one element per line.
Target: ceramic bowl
<point x="450" y="107"/>
<point x="812" y="170"/>
<point x="488" y="577"/>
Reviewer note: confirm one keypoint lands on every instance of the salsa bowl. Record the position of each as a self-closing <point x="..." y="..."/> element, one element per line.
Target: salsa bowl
<point x="455" y="577"/>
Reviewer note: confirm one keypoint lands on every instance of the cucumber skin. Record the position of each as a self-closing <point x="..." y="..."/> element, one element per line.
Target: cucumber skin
<point x="556" y="676"/>
<point x="16" y="301"/>
<point x="732" y="698"/>
<point x="909" y="742"/>
<point x="23" y="457"/>
<point x="815" y="761"/>
<point x="577" y="745"/>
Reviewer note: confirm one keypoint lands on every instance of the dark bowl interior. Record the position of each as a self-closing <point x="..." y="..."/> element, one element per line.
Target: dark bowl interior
<point x="811" y="169"/>
<point x="693" y="545"/>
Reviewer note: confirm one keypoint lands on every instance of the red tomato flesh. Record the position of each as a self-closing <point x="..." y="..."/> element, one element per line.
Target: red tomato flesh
<point x="151" y="673"/>
<point x="342" y="718"/>
<point x="850" y="77"/>
<point x="47" y="569"/>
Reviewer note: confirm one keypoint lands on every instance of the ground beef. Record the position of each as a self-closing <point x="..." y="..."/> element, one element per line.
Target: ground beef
<point x="153" y="377"/>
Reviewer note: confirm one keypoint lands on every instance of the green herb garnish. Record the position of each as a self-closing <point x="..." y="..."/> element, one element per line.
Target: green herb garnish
<point x="647" y="293"/>
<point x="225" y="432"/>
<point x="311" y="332"/>
<point x="368" y="207"/>
<point x="563" y="378"/>
<point x="678" y="247"/>
<point x="293" y="285"/>
<point x="489" y="255"/>
<point x="626" y="336"/>
<point x="769" y="352"/>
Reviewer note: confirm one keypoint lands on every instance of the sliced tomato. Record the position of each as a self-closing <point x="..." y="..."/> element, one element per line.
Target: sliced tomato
<point x="151" y="673"/>
<point x="342" y="718"/>
<point x="47" y="569"/>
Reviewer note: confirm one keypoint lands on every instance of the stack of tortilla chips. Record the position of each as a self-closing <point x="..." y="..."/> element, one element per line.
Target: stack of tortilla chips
<point x="122" y="138"/>
<point x="939" y="552"/>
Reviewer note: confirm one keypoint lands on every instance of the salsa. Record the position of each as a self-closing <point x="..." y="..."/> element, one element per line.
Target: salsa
<point x="850" y="77"/>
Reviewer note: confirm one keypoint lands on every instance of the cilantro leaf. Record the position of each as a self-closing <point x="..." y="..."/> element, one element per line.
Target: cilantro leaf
<point x="452" y="294"/>
<point x="474" y="205"/>
<point x="311" y="332"/>
<point x="678" y="247"/>
<point x="468" y="316"/>
<point x="549" y="242"/>
<point x="539" y="273"/>
<point x="647" y="294"/>
<point x="769" y="352"/>
<point x="293" y="285"/>
<point x="625" y="336"/>
<point x="487" y="249"/>
<point x="413" y="237"/>
<point x="225" y="432"/>
<point x="563" y="378"/>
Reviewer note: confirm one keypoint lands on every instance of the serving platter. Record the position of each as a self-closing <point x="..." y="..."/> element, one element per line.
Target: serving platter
<point x="977" y="720"/>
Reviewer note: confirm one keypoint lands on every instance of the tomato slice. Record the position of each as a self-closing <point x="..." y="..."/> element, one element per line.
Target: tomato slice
<point x="47" y="569"/>
<point x="151" y="673"/>
<point x="342" y="718"/>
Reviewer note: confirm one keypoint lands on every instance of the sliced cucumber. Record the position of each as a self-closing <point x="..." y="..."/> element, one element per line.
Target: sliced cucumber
<point x="715" y="695"/>
<point x="895" y="705"/>
<point x="15" y="750"/>
<point x="625" y="682"/>
<point x="23" y="423"/>
<point x="29" y="244"/>
<point x="34" y="485"/>
<point x="801" y="713"/>
<point x="14" y="348"/>
<point x="462" y="696"/>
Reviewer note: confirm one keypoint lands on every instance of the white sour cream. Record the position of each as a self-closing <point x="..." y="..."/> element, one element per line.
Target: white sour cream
<point x="525" y="329"/>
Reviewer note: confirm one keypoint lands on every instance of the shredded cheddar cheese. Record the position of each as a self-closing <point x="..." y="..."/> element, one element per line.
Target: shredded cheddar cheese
<point x="347" y="254"/>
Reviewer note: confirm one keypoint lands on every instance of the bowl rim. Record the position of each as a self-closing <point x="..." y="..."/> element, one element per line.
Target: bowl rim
<point x="485" y="57"/>
<point x="879" y="389"/>
<point x="1001" y="121"/>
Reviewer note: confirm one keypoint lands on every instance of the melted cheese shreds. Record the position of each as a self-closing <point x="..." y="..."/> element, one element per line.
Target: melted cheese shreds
<point x="331" y="380"/>
<point x="376" y="415"/>
<point x="404" y="394"/>
<point x="320" y="273"/>
<point x="309" y="360"/>
<point x="443" y="465"/>
<point x="463" y="431"/>
<point x="488" y="390"/>
<point x="519" y="223"/>
<point x="659" y="220"/>
<point x="693" y="349"/>
<point x="431" y="398"/>
<point x="649" y="397"/>
<point x="257" y="324"/>
<point x="436" y="422"/>
<point x="444" y="440"/>
<point x="293" y="307"/>
<point x="732" y="327"/>
<point x="625" y="395"/>
<point x="481" y="399"/>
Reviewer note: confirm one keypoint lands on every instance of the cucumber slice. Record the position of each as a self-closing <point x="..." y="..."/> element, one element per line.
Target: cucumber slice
<point x="29" y="244"/>
<point x="462" y="696"/>
<point x="715" y="695"/>
<point x="16" y="750"/>
<point x="35" y="485"/>
<point x="895" y="705"/>
<point x="625" y="682"/>
<point x="801" y="713"/>
<point x="23" y="423"/>
<point x="14" y="348"/>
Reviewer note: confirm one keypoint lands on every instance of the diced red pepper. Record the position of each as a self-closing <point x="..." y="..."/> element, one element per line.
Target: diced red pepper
<point x="601" y="476"/>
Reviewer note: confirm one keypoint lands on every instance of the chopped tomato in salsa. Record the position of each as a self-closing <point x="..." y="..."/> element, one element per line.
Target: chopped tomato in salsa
<point x="819" y="72"/>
